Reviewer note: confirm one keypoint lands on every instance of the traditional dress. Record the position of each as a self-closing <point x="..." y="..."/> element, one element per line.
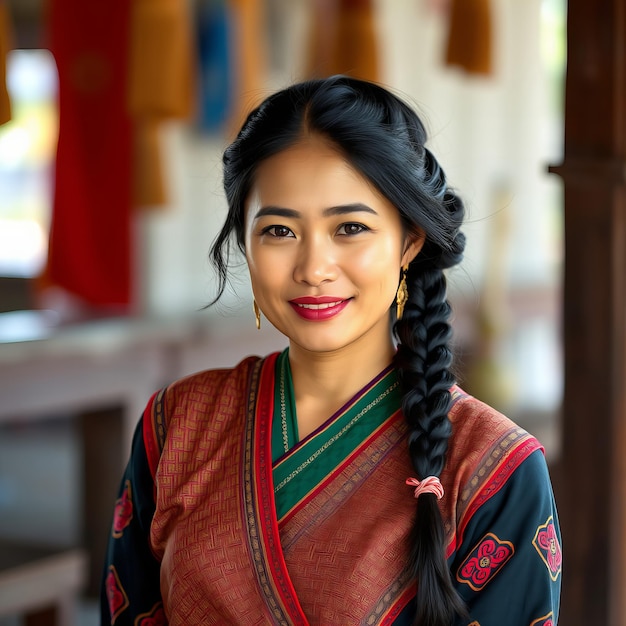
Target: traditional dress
<point x="224" y="517"/>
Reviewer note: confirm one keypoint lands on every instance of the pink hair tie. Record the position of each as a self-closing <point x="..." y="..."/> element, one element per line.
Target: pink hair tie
<point x="430" y="484"/>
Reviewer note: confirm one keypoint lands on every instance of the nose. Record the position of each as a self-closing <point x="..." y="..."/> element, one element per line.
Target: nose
<point x="316" y="263"/>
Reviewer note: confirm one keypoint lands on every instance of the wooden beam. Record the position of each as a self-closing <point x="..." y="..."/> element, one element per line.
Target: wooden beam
<point x="591" y="492"/>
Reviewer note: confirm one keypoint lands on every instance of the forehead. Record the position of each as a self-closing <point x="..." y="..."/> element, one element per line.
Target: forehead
<point x="311" y="172"/>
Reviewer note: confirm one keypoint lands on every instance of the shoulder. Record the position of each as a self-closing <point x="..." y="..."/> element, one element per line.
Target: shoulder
<point x="485" y="451"/>
<point x="186" y="403"/>
<point x="470" y="415"/>
<point x="478" y="430"/>
<point x="491" y="460"/>
<point x="206" y="387"/>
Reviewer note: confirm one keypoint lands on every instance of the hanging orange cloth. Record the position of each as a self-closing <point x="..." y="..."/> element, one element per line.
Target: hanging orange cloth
<point x="470" y="36"/>
<point x="6" y="43"/>
<point x="343" y="39"/>
<point x="161" y="79"/>
<point x="249" y="58"/>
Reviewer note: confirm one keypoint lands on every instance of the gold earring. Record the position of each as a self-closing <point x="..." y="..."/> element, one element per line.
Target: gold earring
<point x="257" y="314"/>
<point x="403" y="293"/>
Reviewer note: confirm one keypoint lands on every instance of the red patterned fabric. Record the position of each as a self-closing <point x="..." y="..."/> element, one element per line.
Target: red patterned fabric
<point x="154" y="428"/>
<point x="209" y="570"/>
<point x="224" y="556"/>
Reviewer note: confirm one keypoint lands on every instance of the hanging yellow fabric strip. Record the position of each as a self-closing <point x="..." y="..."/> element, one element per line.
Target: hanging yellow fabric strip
<point x="343" y="39"/>
<point x="250" y="56"/>
<point x="161" y="85"/>
<point x="6" y="43"/>
<point x="470" y="36"/>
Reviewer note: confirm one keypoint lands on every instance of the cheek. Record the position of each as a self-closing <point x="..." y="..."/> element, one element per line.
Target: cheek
<point x="259" y="277"/>
<point x="267" y="273"/>
<point x="383" y="265"/>
<point x="257" y="257"/>
<point x="382" y="261"/>
<point x="255" y="269"/>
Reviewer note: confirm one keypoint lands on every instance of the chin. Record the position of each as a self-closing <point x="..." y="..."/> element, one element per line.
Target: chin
<point x="318" y="344"/>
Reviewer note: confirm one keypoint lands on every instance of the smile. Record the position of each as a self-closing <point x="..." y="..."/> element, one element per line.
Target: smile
<point x="318" y="309"/>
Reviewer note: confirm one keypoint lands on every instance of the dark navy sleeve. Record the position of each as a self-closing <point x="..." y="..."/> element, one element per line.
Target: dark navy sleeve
<point x="508" y="567"/>
<point x="130" y="591"/>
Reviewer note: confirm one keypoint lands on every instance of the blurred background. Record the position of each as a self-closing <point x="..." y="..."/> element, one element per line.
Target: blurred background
<point x="113" y="118"/>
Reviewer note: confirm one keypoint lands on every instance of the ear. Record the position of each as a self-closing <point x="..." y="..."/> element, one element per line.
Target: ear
<point x="413" y="243"/>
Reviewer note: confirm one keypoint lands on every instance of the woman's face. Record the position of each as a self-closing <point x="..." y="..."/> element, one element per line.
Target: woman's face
<point x="324" y="249"/>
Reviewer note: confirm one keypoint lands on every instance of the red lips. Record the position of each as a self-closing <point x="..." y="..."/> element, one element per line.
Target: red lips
<point x="320" y="308"/>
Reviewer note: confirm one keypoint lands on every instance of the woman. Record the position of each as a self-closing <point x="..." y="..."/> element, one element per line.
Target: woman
<point x="346" y="480"/>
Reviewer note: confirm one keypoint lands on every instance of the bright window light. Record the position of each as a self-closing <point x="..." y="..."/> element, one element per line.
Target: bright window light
<point x="27" y="149"/>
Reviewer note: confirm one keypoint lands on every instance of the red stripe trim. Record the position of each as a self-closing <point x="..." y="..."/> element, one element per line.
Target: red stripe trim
<point x="397" y="607"/>
<point x="264" y="487"/>
<point x="150" y="441"/>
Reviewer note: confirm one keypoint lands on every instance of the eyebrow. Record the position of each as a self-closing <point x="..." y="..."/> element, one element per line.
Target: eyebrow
<point x="342" y="209"/>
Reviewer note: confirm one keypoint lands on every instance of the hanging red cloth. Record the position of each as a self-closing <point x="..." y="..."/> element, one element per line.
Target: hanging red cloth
<point x="90" y="248"/>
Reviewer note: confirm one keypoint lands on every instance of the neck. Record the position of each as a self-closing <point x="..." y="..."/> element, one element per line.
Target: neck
<point x="324" y="382"/>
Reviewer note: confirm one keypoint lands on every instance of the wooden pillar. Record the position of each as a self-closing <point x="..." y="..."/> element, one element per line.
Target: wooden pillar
<point x="591" y="490"/>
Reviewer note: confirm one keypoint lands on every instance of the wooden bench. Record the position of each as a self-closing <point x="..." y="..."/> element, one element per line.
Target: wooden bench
<point x="40" y="584"/>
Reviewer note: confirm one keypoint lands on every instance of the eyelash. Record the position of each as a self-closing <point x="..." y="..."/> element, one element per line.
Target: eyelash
<point x="271" y="230"/>
<point x="361" y="229"/>
<point x="274" y="227"/>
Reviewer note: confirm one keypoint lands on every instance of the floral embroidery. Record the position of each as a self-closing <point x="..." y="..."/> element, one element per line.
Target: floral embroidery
<point x="118" y="600"/>
<point x="485" y="561"/>
<point x="546" y="620"/>
<point x="156" y="617"/>
<point x="123" y="512"/>
<point x="547" y="544"/>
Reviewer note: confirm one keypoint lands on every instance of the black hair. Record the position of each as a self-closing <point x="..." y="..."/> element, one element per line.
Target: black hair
<point x="384" y="139"/>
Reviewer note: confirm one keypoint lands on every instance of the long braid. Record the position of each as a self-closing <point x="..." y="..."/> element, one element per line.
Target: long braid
<point x="423" y="361"/>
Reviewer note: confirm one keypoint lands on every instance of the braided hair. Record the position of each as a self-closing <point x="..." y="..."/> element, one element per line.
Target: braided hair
<point x="384" y="139"/>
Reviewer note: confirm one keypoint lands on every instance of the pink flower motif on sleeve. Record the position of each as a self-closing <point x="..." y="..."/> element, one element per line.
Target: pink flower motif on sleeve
<point x="485" y="561"/>
<point x="123" y="513"/>
<point x="116" y="596"/>
<point x="546" y="620"/>
<point x="156" y="617"/>
<point x="546" y="542"/>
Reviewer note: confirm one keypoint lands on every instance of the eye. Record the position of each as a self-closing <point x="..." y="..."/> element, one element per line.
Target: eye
<point x="351" y="228"/>
<point x="277" y="231"/>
